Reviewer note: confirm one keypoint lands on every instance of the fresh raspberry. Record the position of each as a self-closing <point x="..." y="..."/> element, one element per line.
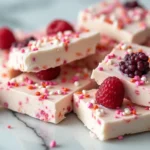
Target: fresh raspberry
<point x="49" y="74"/>
<point x="110" y="93"/>
<point x="6" y="38"/>
<point x="58" y="26"/>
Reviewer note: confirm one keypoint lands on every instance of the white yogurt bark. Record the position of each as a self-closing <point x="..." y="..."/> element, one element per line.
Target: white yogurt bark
<point x="113" y="19"/>
<point x="53" y="51"/>
<point x="48" y="101"/>
<point x="134" y="89"/>
<point x="108" y="123"/>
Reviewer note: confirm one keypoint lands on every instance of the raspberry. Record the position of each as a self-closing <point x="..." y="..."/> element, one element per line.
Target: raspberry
<point x="132" y="4"/>
<point x="135" y="64"/>
<point x="110" y="93"/>
<point x="58" y="26"/>
<point x="6" y="38"/>
<point x="49" y="74"/>
<point x="23" y="43"/>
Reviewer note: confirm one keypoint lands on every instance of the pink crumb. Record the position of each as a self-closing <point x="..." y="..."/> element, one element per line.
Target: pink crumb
<point x="52" y="144"/>
<point x="90" y="105"/>
<point x="100" y="68"/>
<point x="120" y="137"/>
<point x="9" y="127"/>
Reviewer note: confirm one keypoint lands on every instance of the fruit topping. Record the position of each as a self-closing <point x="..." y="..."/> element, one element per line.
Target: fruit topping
<point x="49" y="74"/>
<point x="110" y="93"/>
<point x="6" y="38"/>
<point x="23" y="43"/>
<point x="58" y="26"/>
<point x="135" y="64"/>
<point x="132" y="4"/>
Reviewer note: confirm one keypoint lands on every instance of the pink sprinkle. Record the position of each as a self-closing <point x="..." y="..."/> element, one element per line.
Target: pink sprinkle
<point x="52" y="144"/>
<point x="137" y="92"/>
<point x="33" y="59"/>
<point x="20" y="103"/>
<point x="119" y="58"/>
<point x="146" y="108"/>
<point x="9" y="127"/>
<point x="118" y="112"/>
<point x="77" y="104"/>
<point x="5" y="105"/>
<point x="142" y="82"/>
<point x="22" y="51"/>
<point x="65" y="61"/>
<point x="35" y="49"/>
<point x="137" y="83"/>
<point x="98" y="121"/>
<point x="120" y="137"/>
<point x="100" y="68"/>
<point x="81" y="97"/>
<point x="90" y="105"/>
<point x="30" y="82"/>
<point x="137" y="78"/>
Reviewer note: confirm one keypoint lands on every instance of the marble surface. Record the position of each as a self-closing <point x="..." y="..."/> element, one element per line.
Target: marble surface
<point x="31" y="134"/>
<point x="27" y="133"/>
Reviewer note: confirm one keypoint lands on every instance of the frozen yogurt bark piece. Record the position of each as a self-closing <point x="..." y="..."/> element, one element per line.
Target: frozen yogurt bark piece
<point x="48" y="101"/>
<point x="117" y="21"/>
<point x="110" y="123"/>
<point x="104" y="47"/>
<point x="136" y="82"/>
<point x="53" y="51"/>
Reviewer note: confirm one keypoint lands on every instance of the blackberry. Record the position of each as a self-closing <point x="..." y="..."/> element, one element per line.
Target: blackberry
<point x="135" y="64"/>
<point x="132" y="4"/>
<point x="24" y="43"/>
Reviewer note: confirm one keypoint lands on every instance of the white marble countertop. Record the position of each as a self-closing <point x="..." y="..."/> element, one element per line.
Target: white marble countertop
<point x="31" y="134"/>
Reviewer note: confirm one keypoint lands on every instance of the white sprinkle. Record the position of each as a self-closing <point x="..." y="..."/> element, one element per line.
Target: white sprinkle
<point x="113" y="17"/>
<point x="124" y="47"/>
<point x="36" y="85"/>
<point x="109" y="62"/>
<point x="127" y="111"/>
<point x="76" y="83"/>
<point x="38" y="43"/>
<point x="40" y="87"/>
<point x="92" y="101"/>
<point x="59" y="34"/>
<point x="21" y="79"/>
<point x="51" y="92"/>
<point x="115" y="24"/>
<point x="13" y="80"/>
<point x="43" y="89"/>
<point x="47" y="87"/>
<point x="84" y="92"/>
<point x="143" y="78"/>
<point x="55" y="42"/>
<point x="130" y="13"/>
<point x="102" y="17"/>
<point x="59" y="92"/>
<point x="123" y="113"/>
<point x="44" y="40"/>
<point x="68" y="32"/>
<point x="99" y="112"/>
<point x="129" y="50"/>
<point x="136" y="18"/>
<point x="33" y="47"/>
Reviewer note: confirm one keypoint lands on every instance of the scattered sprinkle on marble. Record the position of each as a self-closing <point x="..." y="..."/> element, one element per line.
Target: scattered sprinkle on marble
<point x="53" y="144"/>
<point x="9" y="127"/>
<point x="120" y="137"/>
